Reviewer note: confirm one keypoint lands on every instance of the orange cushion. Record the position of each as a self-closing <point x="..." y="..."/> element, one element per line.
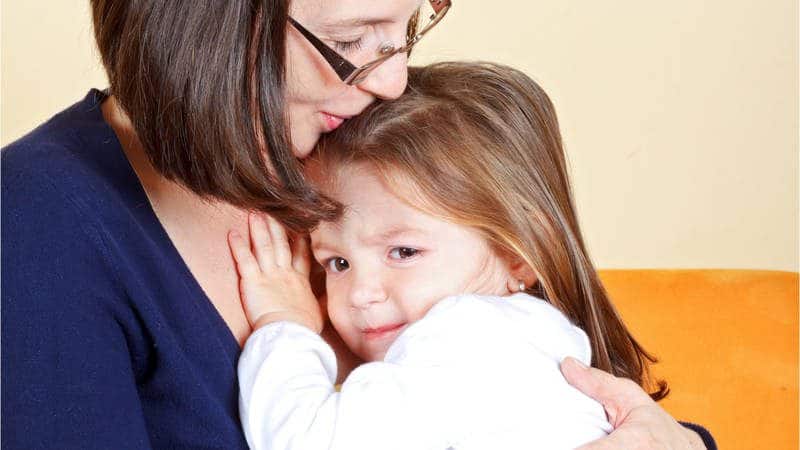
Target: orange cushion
<point x="727" y="341"/>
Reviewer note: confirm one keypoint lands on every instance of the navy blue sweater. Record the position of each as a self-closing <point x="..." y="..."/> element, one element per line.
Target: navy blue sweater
<point x="108" y="340"/>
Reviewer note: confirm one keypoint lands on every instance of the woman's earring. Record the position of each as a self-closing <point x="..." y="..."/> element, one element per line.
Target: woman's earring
<point x="521" y="286"/>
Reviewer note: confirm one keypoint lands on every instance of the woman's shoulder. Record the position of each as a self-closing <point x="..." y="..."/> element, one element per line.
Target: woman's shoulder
<point x="71" y="165"/>
<point x="67" y="191"/>
<point x="69" y="153"/>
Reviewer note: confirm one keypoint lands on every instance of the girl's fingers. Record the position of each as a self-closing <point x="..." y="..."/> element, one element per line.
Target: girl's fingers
<point x="246" y="263"/>
<point x="301" y="259"/>
<point x="280" y="243"/>
<point x="261" y="242"/>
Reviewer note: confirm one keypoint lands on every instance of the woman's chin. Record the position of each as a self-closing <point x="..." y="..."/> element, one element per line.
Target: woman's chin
<point x="301" y="150"/>
<point x="304" y="141"/>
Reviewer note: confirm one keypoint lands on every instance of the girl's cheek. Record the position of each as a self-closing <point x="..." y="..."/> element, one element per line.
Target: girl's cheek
<point x="422" y="293"/>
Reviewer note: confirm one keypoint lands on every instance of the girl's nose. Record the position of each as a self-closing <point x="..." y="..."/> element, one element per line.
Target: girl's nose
<point x="387" y="81"/>
<point x="367" y="291"/>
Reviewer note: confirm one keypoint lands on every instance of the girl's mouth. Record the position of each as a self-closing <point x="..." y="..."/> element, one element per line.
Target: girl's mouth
<point x="383" y="332"/>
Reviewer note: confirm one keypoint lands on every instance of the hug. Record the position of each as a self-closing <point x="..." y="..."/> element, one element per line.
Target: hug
<point x="163" y="287"/>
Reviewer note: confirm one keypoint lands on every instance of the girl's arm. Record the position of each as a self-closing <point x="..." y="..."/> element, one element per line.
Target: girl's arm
<point x="288" y="399"/>
<point x="287" y="371"/>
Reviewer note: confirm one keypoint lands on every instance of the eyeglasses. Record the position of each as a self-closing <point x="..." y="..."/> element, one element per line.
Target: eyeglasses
<point x="352" y="75"/>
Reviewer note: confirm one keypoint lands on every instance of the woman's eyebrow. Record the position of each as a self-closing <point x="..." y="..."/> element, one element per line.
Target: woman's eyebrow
<point x="354" y="22"/>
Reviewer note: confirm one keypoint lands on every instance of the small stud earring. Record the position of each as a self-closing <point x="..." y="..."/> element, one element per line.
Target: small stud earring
<point x="515" y="285"/>
<point x="386" y="48"/>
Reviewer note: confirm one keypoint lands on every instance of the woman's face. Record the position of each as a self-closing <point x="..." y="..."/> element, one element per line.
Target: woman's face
<point x="318" y="100"/>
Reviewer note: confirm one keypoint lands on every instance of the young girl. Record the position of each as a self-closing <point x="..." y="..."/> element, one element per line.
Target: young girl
<point x="456" y="270"/>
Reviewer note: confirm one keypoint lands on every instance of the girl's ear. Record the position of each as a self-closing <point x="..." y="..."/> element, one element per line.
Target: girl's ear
<point x="522" y="272"/>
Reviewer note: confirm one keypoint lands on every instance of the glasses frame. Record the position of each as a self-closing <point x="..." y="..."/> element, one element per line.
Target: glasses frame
<point x="352" y="75"/>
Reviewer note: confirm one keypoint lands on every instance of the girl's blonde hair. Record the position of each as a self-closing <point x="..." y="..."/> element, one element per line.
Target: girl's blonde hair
<point x="480" y="146"/>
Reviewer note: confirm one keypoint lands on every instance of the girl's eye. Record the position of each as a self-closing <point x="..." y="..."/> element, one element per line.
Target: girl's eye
<point x="347" y="46"/>
<point x="402" y="252"/>
<point x="337" y="265"/>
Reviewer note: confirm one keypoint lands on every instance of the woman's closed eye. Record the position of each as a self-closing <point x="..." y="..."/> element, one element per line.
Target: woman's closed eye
<point x="348" y="46"/>
<point x="351" y="42"/>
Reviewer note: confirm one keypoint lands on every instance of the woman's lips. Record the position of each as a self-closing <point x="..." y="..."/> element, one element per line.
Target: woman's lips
<point x="332" y="122"/>
<point x="383" y="332"/>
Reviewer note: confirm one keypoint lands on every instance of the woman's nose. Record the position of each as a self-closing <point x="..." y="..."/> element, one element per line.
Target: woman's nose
<point x="388" y="80"/>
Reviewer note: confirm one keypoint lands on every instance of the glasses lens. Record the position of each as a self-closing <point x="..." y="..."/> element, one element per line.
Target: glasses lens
<point x="429" y="14"/>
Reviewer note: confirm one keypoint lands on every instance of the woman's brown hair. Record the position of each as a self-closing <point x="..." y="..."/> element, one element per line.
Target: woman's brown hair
<point x="479" y="145"/>
<point x="203" y="82"/>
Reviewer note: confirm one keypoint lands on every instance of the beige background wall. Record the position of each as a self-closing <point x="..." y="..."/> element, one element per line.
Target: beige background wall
<point x="680" y="118"/>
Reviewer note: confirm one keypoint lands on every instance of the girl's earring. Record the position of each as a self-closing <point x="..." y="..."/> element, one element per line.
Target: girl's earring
<point x="515" y="285"/>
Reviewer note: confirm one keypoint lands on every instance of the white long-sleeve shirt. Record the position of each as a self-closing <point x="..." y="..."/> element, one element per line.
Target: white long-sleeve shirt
<point x="477" y="372"/>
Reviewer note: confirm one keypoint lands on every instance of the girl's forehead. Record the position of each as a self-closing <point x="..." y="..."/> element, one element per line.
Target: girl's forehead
<point x="366" y="195"/>
<point x="369" y="202"/>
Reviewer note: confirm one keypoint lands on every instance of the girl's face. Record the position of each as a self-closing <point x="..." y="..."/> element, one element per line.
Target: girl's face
<point x="318" y="101"/>
<point x="388" y="263"/>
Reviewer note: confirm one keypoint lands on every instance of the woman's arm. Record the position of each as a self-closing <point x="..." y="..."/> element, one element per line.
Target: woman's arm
<point x="67" y="372"/>
<point x="639" y="422"/>
<point x="67" y="377"/>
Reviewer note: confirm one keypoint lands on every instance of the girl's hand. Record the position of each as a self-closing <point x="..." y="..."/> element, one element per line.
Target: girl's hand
<point x="273" y="275"/>
<point x="638" y="421"/>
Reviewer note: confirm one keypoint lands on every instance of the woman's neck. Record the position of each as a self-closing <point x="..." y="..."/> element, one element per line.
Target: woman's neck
<point x="167" y="197"/>
<point x="196" y="226"/>
<point x="154" y="184"/>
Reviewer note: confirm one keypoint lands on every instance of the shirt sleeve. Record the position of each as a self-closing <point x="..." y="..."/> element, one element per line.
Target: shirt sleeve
<point x="469" y="375"/>
<point x="67" y="373"/>
<point x="288" y="399"/>
<point x="705" y="435"/>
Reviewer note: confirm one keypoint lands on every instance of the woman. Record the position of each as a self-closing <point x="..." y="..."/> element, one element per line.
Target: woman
<point x="121" y="317"/>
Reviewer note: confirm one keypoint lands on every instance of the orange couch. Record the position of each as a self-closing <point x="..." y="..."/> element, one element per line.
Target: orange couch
<point x="727" y="341"/>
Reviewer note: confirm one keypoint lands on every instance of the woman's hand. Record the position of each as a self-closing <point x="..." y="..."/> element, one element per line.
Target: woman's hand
<point x="638" y="421"/>
<point x="274" y="275"/>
